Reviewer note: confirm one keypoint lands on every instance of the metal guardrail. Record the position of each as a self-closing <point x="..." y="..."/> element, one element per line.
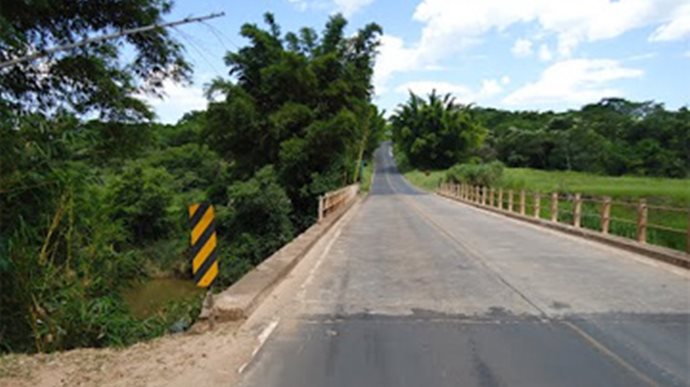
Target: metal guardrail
<point x="595" y="213"/>
<point x="332" y="201"/>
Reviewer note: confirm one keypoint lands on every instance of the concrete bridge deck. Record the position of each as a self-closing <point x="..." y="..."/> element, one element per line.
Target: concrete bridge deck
<point x="416" y="290"/>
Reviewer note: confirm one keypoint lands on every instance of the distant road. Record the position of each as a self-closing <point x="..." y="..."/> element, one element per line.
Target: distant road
<point x="421" y="291"/>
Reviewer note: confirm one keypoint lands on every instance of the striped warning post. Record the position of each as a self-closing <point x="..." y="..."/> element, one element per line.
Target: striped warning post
<point x="203" y="251"/>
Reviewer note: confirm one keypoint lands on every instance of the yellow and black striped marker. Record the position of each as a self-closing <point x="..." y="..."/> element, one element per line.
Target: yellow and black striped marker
<point x="204" y="260"/>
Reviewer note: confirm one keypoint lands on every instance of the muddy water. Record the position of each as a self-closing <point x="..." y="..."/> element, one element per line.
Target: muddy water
<point x="146" y="298"/>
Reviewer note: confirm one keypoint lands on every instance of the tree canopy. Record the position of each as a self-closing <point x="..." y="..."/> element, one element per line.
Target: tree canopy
<point x="301" y="103"/>
<point x="436" y="133"/>
<point x="93" y="77"/>
<point x="614" y="137"/>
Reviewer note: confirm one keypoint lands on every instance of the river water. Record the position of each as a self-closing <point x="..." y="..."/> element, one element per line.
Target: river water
<point x="147" y="298"/>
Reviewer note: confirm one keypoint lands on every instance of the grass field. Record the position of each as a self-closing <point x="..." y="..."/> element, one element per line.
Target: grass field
<point x="670" y="191"/>
<point x="658" y="191"/>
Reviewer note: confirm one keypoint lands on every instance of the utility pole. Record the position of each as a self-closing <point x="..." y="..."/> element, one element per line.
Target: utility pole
<point x="101" y="38"/>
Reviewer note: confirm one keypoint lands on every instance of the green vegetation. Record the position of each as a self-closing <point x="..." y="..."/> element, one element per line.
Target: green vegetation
<point x="487" y="174"/>
<point x="91" y="208"/>
<point x="614" y="148"/>
<point x="435" y="134"/>
<point x="367" y="176"/>
<point x="613" y="137"/>
<point x="427" y="180"/>
<point x="671" y="191"/>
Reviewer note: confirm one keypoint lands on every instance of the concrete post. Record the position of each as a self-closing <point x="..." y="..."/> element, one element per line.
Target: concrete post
<point x="484" y="189"/>
<point x="510" y="200"/>
<point x="500" y="198"/>
<point x="537" y="205"/>
<point x="522" y="202"/>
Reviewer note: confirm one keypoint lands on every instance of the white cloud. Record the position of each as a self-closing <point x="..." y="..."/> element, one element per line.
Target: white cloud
<point x="545" y="54"/>
<point x="426" y="87"/>
<point x="574" y="81"/>
<point x="394" y="57"/>
<point x="522" y="48"/>
<point x="505" y="79"/>
<point x="572" y="22"/>
<point x="490" y="87"/>
<point x="462" y="93"/>
<point x="677" y="28"/>
<point x="452" y="25"/>
<point x="177" y="101"/>
<point x="349" y="7"/>
<point x="346" y="7"/>
<point x="302" y="5"/>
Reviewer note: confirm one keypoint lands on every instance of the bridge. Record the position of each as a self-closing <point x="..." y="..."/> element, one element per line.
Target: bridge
<point x="413" y="289"/>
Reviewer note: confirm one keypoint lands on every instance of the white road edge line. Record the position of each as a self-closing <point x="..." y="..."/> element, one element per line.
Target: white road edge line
<point x="312" y="271"/>
<point x="262" y="337"/>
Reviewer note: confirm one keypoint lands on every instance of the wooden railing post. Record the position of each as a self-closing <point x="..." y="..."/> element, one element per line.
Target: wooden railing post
<point x="606" y="215"/>
<point x="577" y="210"/>
<point x="537" y="205"/>
<point x="554" y="206"/>
<point x="642" y="221"/>
<point x="477" y="194"/>
<point x="484" y="196"/>
<point x="510" y="200"/>
<point x="500" y="198"/>
<point x="491" y="197"/>
<point x="522" y="202"/>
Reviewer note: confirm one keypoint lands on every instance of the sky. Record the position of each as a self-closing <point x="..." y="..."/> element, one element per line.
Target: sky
<point x="510" y="54"/>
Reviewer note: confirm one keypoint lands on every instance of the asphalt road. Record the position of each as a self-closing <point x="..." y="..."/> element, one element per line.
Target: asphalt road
<point x="420" y="291"/>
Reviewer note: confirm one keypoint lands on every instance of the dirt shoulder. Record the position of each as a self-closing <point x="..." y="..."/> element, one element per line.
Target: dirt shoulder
<point x="151" y="363"/>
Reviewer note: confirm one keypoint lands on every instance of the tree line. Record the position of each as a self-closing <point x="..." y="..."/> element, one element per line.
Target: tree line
<point x="611" y="137"/>
<point x="88" y="206"/>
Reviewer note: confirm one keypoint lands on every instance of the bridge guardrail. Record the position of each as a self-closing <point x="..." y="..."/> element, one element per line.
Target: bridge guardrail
<point x="332" y="201"/>
<point x="641" y="221"/>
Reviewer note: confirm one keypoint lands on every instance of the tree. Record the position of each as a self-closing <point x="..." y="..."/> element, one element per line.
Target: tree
<point x="92" y="77"/>
<point x="436" y="134"/>
<point x="614" y="136"/>
<point x="300" y="103"/>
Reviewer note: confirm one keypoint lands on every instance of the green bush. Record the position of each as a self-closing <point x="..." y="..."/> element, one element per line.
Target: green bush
<point x="476" y="174"/>
<point x="257" y="223"/>
<point x="141" y="196"/>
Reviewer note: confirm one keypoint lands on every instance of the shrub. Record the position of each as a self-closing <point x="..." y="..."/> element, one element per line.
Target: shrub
<point x="141" y="196"/>
<point x="476" y="174"/>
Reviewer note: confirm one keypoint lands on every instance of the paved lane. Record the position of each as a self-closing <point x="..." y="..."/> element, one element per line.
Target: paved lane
<point x="421" y="291"/>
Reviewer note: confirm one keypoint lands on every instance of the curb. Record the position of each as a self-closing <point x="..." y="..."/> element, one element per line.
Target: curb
<point x="667" y="255"/>
<point x="239" y="300"/>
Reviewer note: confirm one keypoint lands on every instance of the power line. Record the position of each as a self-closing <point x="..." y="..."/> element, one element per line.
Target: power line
<point x="197" y="47"/>
<point x="101" y="38"/>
